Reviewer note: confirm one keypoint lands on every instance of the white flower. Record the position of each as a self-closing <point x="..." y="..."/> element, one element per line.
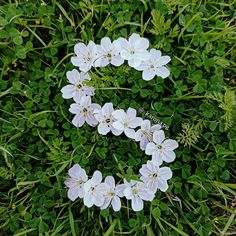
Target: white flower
<point x="84" y="112"/>
<point x="76" y="182"/>
<point x="155" y="177"/>
<point x="161" y="150"/>
<point x="144" y="135"/>
<point x="134" y="50"/>
<point x="138" y="192"/>
<point x="105" y="118"/>
<point x="76" y="88"/>
<point x="126" y="121"/>
<point x="94" y="190"/>
<point x="154" y="66"/>
<point x="109" y="53"/>
<point x="85" y="56"/>
<point x="111" y="195"/>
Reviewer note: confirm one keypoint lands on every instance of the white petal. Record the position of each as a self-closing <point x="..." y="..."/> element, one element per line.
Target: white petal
<point x="119" y="189"/>
<point x="155" y="128"/>
<point x="164" y="60"/>
<point x="134" y="38"/>
<point x="144" y="170"/>
<point x="143" y="55"/>
<point x="117" y="61"/>
<point x="68" y="91"/>
<point x="148" y="74"/>
<point x="80" y="48"/>
<point x="75" y="171"/>
<point x="106" y="203"/>
<point x="75" y="108"/>
<point x="130" y="133"/>
<point x="78" y="120"/>
<point x="75" y="61"/>
<point x="97" y="177"/>
<point x="119" y="114"/>
<point x="91" y="120"/>
<point x="168" y="156"/>
<point x="137" y="203"/>
<point x="73" y="193"/>
<point x="155" y="54"/>
<point x="107" y="109"/>
<point x="162" y="72"/>
<point x="116" y="203"/>
<point x="73" y="76"/>
<point x="106" y="43"/>
<point x="110" y="181"/>
<point x="150" y="148"/>
<point x="146" y="194"/>
<point x="128" y="193"/>
<point x="143" y="143"/>
<point x="99" y="200"/>
<point x="135" y="122"/>
<point x="118" y="125"/>
<point x="103" y="129"/>
<point x="102" y="188"/>
<point x="162" y="185"/>
<point x="145" y="125"/>
<point x="158" y="136"/>
<point x="116" y="131"/>
<point x="98" y="115"/>
<point x="88" y="200"/>
<point x="126" y="55"/>
<point x="138" y="135"/>
<point x="157" y="158"/>
<point x="165" y="173"/>
<point x="134" y="62"/>
<point x="131" y="112"/>
<point x="142" y="43"/>
<point x="170" y="144"/>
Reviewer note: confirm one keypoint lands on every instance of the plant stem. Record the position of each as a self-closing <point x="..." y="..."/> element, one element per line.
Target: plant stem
<point x="183" y="98"/>
<point x="114" y="88"/>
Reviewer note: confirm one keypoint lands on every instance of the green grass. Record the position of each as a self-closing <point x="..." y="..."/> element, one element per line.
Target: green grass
<point x="38" y="144"/>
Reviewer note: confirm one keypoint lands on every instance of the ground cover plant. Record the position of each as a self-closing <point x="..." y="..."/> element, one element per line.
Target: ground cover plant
<point x="196" y="105"/>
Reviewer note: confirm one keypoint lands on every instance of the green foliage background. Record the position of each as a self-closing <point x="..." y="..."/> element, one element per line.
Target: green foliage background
<point x="38" y="144"/>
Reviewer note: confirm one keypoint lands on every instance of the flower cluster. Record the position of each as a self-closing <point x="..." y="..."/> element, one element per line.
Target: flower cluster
<point x="134" y="50"/>
<point x="151" y="138"/>
<point x="103" y="194"/>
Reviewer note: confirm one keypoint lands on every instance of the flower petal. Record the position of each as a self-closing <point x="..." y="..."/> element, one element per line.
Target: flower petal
<point x="78" y="120"/>
<point x="103" y="129"/>
<point x="110" y="181"/>
<point x="162" y="185"/>
<point x="88" y="200"/>
<point x="116" y="203"/>
<point x="91" y="120"/>
<point x="158" y="136"/>
<point x="168" y="156"/>
<point x="68" y="91"/>
<point x="146" y="194"/>
<point x="170" y="144"/>
<point x="148" y="74"/>
<point x="119" y="114"/>
<point x="135" y="122"/>
<point x="116" y="131"/>
<point x="118" y="125"/>
<point x="157" y="158"/>
<point x="97" y="177"/>
<point x="73" y="193"/>
<point x="130" y="133"/>
<point x="162" y="72"/>
<point x="75" y="171"/>
<point x="137" y="203"/>
<point x="150" y="148"/>
<point x="165" y="173"/>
